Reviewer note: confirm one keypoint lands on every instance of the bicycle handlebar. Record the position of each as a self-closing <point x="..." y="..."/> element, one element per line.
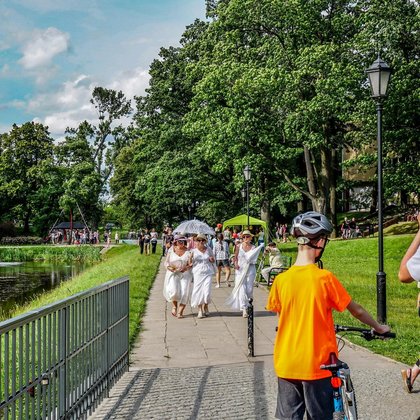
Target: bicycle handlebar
<point x="364" y="332"/>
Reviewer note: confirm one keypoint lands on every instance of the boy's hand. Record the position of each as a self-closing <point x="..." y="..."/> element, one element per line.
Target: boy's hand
<point x="382" y="329"/>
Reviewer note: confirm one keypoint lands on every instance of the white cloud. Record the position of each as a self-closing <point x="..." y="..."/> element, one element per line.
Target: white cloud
<point x="132" y="82"/>
<point x="70" y="105"/>
<point x="43" y="46"/>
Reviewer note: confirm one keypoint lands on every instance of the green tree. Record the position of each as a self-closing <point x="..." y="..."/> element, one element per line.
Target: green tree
<point x="26" y="157"/>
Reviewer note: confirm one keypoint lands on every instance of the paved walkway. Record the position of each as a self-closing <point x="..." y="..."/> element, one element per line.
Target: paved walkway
<point x="199" y="369"/>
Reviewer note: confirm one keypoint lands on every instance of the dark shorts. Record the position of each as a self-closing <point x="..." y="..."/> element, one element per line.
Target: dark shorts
<point x="222" y="263"/>
<point x="294" y="397"/>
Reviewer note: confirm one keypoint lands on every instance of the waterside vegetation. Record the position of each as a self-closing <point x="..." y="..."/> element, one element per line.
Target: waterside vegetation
<point x="84" y="253"/>
<point x="117" y="262"/>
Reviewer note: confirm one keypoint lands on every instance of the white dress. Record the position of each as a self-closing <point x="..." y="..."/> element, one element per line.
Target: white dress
<point x="244" y="278"/>
<point x="177" y="285"/>
<point x="202" y="272"/>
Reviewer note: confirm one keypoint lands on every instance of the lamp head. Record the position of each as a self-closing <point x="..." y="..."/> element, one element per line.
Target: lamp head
<point x="379" y="74"/>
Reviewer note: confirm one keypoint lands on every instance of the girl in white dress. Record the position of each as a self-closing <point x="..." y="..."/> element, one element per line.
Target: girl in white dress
<point x="178" y="278"/>
<point x="203" y="270"/>
<point x="245" y="258"/>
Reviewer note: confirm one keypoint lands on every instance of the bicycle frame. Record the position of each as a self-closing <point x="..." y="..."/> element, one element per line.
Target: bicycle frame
<point x="343" y="392"/>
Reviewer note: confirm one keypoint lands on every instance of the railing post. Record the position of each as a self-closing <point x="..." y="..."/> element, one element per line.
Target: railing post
<point x="107" y="342"/>
<point x="62" y="351"/>
<point x="250" y="312"/>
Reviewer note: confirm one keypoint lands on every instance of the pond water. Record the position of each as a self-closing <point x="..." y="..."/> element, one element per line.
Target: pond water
<point x="21" y="281"/>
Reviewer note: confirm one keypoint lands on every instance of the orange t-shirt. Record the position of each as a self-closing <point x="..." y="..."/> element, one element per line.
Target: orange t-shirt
<point x="305" y="296"/>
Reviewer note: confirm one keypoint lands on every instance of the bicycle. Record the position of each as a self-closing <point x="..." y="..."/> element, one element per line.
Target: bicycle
<point x="345" y="406"/>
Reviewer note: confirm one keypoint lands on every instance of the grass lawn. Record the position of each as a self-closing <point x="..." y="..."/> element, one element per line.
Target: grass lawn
<point x="117" y="262"/>
<point x="355" y="263"/>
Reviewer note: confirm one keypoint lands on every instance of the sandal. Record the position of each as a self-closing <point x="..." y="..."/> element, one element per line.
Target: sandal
<point x="407" y="380"/>
<point x="173" y="312"/>
<point x="180" y="316"/>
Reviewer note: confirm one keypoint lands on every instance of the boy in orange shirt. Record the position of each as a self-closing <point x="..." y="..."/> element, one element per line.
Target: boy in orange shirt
<point x="304" y="297"/>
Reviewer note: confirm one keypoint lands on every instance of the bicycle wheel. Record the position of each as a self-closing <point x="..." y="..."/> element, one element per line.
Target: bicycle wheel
<point x="349" y="399"/>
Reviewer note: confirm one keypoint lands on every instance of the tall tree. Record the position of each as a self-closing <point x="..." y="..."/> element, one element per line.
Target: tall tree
<point x="26" y="156"/>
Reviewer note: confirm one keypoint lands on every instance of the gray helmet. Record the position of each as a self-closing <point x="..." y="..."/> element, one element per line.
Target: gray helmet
<point x="311" y="225"/>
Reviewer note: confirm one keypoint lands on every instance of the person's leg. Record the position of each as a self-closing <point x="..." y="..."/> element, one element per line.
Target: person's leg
<point x="410" y="375"/>
<point x="181" y="310"/>
<point x="265" y="272"/>
<point x="218" y="272"/>
<point x="319" y="401"/>
<point x="174" y="307"/>
<point x="290" y="399"/>
<point x="227" y="273"/>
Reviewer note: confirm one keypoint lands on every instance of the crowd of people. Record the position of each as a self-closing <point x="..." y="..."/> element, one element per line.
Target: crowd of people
<point x="75" y="236"/>
<point x="192" y="261"/>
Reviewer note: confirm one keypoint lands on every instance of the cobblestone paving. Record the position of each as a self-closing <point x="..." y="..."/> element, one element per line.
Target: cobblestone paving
<point x="222" y="392"/>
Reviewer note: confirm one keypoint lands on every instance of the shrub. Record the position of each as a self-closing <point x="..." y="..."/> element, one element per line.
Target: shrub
<point x="21" y="240"/>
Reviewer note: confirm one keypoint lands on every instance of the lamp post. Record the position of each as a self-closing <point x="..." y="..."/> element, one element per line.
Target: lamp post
<point x="379" y="74"/>
<point x="243" y="193"/>
<point x="247" y="176"/>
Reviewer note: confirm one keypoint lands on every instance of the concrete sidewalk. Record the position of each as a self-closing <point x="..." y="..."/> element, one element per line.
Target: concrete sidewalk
<point x="199" y="369"/>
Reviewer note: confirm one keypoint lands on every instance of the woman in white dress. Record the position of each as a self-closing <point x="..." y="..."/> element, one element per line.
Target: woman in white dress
<point x="203" y="270"/>
<point x="178" y="278"/>
<point x="245" y="258"/>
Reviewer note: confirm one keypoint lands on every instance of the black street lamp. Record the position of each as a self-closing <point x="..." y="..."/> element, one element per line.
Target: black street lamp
<point x="247" y="176"/>
<point x="379" y="74"/>
<point x="243" y="193"/>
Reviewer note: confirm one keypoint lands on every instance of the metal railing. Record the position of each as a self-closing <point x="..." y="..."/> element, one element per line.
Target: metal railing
<point x="59" y="362"/>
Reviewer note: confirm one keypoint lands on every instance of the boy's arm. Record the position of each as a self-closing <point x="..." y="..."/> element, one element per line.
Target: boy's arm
<point x="403" y="274"/>
<point x="363" y="316"/>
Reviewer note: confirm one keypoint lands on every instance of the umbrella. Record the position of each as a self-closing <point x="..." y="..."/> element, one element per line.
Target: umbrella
<point x="194" y="226"/>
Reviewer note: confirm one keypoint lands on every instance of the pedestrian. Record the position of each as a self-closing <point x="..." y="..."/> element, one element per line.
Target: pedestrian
<point x="140" y="240"/>
<point x="178" y="278"/>
<point x="146" y="239"/>
<point x="221" y="253"/>
<point x="409" y="272"/>
<point x="304" y="297"/>
<point x="202" y="270"/>
<point x="153" y="240"/>
<point x="169" y="238"/>
<point x="117" y="238"/>
<point x="245" y="257"/>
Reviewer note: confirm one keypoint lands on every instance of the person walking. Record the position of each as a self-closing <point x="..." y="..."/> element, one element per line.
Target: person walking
<point x="304" y="297"/>
<point x="245" y="258"/>
<point x="146" y="239"/>
<point x="140" y="240"/>
<point x="153" y="240"/>
<point x="202" y="271"/>
<point x="221" y="253"/>
<point x="178" y="278"/>
<point x="410" y="271"/>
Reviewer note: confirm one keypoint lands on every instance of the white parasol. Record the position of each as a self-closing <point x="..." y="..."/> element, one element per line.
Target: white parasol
<point x="194" y="226"/>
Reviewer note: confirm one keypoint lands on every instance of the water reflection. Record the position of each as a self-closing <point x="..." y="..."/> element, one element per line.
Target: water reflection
<point x="20" y="282"/>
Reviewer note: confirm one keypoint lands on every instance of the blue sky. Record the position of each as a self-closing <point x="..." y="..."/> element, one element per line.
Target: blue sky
<point x="54" y="52"/>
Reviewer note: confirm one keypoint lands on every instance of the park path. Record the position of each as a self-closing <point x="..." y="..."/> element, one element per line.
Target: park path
<point x="199" y="369"/>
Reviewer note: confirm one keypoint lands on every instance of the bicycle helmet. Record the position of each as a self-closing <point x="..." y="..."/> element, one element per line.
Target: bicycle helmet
<point x="311" y="225"/>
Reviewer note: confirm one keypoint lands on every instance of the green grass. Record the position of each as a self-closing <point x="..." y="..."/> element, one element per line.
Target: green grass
<point x="355" y="263"/>
<point x="117" y="262"/>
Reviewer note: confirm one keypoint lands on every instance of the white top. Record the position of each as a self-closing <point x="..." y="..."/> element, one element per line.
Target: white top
<point x="413" y="266"/>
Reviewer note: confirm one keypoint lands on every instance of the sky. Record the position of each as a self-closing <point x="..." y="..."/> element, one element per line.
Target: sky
<point x="54" y="52"/>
